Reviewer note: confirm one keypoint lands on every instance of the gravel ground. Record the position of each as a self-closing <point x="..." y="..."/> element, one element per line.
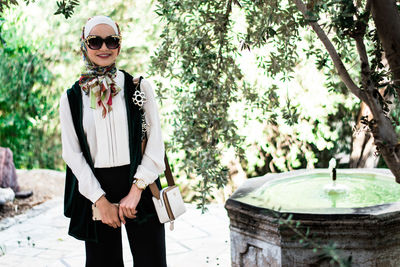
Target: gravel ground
<point x="45" y="184"/>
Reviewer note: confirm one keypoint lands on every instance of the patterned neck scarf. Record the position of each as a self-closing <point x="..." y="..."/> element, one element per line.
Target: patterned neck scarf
<point x="98" y="82"/>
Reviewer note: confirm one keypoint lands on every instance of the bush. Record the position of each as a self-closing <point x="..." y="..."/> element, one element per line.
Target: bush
<point x="26" y="104"/>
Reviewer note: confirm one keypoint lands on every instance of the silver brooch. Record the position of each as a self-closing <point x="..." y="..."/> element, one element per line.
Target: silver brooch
<point x="139" y="98"/>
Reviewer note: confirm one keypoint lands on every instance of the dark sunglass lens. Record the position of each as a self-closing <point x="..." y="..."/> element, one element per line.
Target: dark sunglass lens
<point x="95" y="43"/>
<point x="112" y="42"/>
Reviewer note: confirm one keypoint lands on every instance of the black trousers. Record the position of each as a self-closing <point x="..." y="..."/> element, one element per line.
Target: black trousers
<point x="146" y="234"/>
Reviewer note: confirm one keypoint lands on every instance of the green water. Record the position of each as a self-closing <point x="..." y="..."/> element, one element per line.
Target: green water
<point x="307" y="192"/>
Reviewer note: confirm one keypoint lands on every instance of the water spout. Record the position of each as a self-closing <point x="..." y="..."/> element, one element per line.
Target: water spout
<point x="334" y="174"/>
<point x="332" y="167"/>
<point x="333" y="190"/>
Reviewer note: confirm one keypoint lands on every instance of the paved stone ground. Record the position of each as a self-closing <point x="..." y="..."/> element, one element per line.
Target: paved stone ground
<point x="39" y="238"/>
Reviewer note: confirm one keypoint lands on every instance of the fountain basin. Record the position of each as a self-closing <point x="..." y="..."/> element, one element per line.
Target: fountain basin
<point x="370" y="234"/>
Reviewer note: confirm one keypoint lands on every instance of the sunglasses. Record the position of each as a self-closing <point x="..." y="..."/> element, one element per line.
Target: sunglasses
<point x="95" y="42"/>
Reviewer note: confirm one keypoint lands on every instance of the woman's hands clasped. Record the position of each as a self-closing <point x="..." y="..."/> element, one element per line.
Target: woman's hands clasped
<point x="113" y="215"/>
<point x="127" y="205"/>
<point x="108" y="212"/>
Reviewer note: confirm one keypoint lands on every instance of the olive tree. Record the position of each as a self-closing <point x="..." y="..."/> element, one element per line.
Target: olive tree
<point x="198" y="51"/>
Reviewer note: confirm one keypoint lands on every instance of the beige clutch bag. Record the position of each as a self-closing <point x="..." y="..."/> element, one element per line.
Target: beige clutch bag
<point x="96" y="212"/>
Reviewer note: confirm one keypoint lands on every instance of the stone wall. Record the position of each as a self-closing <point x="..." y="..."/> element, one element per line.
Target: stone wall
<point x="371" y="237"/>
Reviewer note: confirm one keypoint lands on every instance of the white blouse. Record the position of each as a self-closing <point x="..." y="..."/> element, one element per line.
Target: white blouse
<point x="108" y="139"/>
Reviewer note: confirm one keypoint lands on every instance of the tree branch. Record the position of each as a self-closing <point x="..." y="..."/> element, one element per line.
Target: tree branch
<point x="365" y="69"/>
<point x="358" y="34"/>
<point x="371" y="91"/>
<point x="223" y="31"/>
<point x="343" y="73"/>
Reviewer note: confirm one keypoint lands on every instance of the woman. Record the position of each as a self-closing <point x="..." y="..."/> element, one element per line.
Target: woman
<point x="104" y="118"/>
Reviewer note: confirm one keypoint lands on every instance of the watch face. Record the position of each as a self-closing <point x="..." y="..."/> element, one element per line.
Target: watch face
<point x="140" y="184"/>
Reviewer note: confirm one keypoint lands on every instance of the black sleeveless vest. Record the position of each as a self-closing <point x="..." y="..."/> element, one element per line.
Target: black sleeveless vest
<point x="76" y="206"/>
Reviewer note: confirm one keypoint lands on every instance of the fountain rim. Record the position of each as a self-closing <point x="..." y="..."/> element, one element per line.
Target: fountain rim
<point x="376" y="210"/>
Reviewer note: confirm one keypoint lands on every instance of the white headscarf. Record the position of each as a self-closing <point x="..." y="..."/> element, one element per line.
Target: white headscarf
<point x="96" y="20"/>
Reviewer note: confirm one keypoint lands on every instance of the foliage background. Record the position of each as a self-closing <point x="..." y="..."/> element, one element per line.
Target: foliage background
<point x="274" y="121"/>
<point x="40" y="59"/>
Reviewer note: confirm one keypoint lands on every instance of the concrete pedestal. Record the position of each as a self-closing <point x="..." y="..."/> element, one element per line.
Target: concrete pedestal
<point x="371" y="236"/>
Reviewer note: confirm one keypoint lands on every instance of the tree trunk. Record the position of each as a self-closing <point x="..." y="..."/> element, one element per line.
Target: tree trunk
<point x="387" y="21"/>
<point x="363" y="148"/>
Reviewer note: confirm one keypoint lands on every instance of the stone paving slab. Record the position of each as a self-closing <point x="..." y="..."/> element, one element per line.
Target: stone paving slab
<point x="39" y="238"/>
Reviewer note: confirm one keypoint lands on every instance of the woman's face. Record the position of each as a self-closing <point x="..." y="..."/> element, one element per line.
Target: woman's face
<point x="104" y="56"/>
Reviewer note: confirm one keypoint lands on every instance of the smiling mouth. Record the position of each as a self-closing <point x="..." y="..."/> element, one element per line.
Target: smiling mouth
<point x="104" y="55"/>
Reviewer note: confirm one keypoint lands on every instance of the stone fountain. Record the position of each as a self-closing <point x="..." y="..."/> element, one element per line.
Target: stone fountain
<point x="359" y="212"/>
